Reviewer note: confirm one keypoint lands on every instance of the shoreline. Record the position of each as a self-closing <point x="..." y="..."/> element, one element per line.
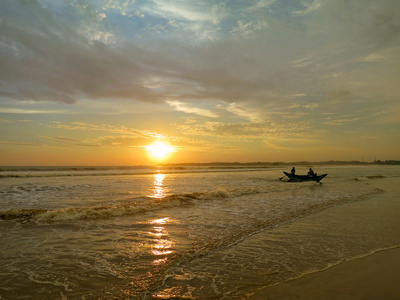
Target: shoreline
<point x="374" y="276"/>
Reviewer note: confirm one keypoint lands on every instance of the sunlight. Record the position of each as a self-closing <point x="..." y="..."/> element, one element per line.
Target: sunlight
<point x="161" y="221"/>
<point x="160" y="149"/>
<point x="159" y="189"/>
<point x="162" y="244"/>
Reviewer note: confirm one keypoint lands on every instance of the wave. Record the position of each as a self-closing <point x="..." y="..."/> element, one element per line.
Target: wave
<point x="110" y="210"/>
<point x="30" y="175"/>
<point x="115" y="171"/>
<point x="364" y="178"/>
<point x="147" y="203"/>
<point x="28" y="172"/>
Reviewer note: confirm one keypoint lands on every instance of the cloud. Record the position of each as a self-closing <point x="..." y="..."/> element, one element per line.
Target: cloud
<point x="243" y="71"/>
<point x="102" y="127"/>
<point x="28" y="111"/>
<point x="65" y="139"/>
<point x="258" y="55"/>
<point x="247" y="113"/>
<point x="390" y="116"/>
<point x="124" y="7"/>
<point x="43" y="58"/>
<point x="309" y="6"/>
<point x="179" y="106"/>
<point x="101" y="135"/>
<point x="246" y="132"/>
<point x="244" y="28"/>
<point x="113" y="141"/>
<point x="19" y="144"/>
<point x="343" y="121"/>
<point x="186" y="10"/>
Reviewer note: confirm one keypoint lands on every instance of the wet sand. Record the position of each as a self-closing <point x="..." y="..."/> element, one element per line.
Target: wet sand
<point x="372" y="277"/>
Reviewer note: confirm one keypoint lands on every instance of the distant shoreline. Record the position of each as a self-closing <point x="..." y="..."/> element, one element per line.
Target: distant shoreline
<point x="253" y="164"/>
<point x="331" y="162"/>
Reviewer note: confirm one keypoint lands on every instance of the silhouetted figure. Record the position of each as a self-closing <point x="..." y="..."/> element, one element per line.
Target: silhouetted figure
<point x="311" y="173"/>
<point x="293" y="171"/>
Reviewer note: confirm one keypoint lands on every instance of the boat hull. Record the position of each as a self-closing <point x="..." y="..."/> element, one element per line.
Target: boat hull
<point x="301" y="178"/>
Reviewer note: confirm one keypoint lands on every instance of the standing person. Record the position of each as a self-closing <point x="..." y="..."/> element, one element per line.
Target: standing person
<point x="293" y="171"/>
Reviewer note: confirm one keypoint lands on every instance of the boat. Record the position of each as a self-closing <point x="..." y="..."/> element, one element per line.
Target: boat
<point x="301" y="178"/>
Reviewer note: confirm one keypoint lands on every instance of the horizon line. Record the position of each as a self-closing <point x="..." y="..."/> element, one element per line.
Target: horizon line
<point x="337" y="162"/>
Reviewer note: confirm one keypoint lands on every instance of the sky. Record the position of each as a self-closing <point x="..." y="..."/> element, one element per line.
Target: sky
<point x="93" y="82"/>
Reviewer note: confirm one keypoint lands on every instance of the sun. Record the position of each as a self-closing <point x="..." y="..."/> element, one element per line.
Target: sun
<point x="159" y="149"/>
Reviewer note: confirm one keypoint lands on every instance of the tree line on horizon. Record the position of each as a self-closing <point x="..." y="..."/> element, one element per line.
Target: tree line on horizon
<point x="330" y="162"/>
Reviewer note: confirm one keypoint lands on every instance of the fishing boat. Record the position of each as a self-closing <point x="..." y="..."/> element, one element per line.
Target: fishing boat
<point x="301" y="178"/>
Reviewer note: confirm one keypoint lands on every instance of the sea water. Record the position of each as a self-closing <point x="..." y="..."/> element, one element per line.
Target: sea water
<point x="187" y="232"/>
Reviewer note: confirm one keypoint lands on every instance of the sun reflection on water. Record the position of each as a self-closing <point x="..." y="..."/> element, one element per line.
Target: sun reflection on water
<point x="159" y="189"/>
<point x="161" y="221"/>
<point x="162" y="244"/>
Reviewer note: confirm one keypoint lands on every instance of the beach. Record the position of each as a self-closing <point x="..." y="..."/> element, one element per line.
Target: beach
<point x="372" y="277"/>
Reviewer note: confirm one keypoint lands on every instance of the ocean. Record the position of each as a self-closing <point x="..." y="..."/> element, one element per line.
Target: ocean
<point x="187" y="231"/>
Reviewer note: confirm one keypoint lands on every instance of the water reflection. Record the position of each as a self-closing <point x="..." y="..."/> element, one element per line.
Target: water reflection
<point x="162" y="244"/>
<point x="159" y="189"/>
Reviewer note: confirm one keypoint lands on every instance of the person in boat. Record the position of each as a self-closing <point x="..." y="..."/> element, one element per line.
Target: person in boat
<point x="293" y="171"/>
<point x="311" y="173"/>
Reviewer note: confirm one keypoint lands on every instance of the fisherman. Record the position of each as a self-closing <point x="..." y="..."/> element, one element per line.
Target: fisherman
<point x="293" y="171"/>
<point x="311" y="173"/>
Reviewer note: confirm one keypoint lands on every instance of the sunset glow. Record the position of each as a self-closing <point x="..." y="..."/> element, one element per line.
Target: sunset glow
<point x="160" y="150"/>
<point x="91" y="83"/>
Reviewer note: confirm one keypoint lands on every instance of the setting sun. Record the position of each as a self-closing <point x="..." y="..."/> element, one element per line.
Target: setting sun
<point x="160" y="149"/>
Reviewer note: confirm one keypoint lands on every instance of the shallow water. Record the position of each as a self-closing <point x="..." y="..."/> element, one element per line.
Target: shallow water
<point x="195" y="232"/>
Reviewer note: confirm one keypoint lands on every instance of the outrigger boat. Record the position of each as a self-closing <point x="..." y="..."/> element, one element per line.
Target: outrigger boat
<point x="301" y="178"/>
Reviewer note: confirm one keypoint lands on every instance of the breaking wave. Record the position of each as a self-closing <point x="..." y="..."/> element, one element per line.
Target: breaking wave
<point x="29" y="172"/>
<point x="134" y="206"/>
<point x="145" y="204"/>
<point x="365" y="178"/>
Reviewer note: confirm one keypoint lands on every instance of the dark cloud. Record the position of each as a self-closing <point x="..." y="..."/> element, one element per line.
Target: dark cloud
<point x="72" y="52"/>
<point x="44" y="59"/>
